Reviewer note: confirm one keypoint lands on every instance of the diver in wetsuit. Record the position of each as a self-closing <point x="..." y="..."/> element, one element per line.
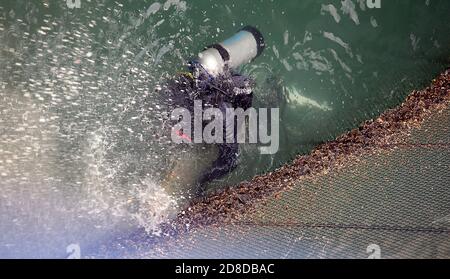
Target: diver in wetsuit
<point x="213" y="80"/>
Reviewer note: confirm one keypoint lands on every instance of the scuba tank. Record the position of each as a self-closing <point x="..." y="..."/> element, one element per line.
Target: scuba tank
<point x="241" y="48"/>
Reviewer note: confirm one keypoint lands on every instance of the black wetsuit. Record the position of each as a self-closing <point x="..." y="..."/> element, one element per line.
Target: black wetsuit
<point x="230" y="90"/>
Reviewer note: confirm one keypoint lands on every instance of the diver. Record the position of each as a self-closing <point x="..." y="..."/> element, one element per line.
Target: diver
<point x="213" y="79"/>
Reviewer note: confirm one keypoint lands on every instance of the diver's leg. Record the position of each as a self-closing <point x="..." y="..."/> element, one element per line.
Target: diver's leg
<point x="225" y="163"/>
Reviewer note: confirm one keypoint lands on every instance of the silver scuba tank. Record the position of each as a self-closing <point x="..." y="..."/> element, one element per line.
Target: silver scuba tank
<point x="241" y="48"/>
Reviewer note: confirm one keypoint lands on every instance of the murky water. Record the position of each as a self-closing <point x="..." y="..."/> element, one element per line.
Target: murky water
<point x="80" y="156"/>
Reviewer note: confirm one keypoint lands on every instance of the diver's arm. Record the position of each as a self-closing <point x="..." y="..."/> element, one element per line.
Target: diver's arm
<point x="228" y="152"/>
<point x="223" y="165"/>
<point x="244" y="101"/>
<point x="226" y="161"/>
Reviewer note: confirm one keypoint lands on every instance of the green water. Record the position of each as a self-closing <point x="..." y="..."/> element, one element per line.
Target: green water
<point x="79" y="114"/>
